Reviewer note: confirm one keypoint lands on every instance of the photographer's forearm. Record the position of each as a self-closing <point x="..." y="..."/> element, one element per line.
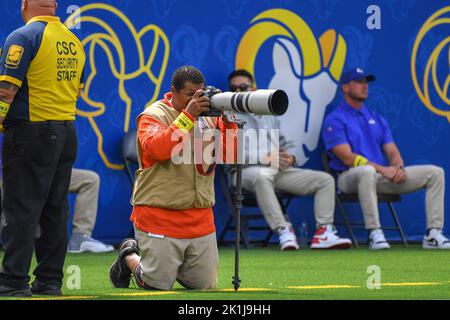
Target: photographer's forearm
<point x="158" y="140"/>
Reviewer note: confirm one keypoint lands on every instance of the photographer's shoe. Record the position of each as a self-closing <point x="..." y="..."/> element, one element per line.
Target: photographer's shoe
<point x="44" y="289"/>
<point x="14" y="292"/>
<point x="119" y="273"/>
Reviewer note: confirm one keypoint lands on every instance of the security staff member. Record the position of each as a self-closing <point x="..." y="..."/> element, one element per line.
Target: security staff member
<point x="41" y="69"/>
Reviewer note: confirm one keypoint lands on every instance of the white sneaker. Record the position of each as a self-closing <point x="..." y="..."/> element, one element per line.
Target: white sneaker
<point x="377" y="241"/>
<point x="326" y="238"/>
<point x="288" y="240"/>
<point x="434" y="239"/>
<point x="80" y="243"/>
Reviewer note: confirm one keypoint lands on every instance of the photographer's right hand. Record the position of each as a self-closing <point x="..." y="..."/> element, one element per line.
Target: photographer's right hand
<point x="198" y="104"/>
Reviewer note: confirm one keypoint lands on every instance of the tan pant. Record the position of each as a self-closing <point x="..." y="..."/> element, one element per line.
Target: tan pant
<point x="366" y="182"/>
<point x="86" y="185"/>
<point x="192" y="262"/>
<point x="264" y="180"/>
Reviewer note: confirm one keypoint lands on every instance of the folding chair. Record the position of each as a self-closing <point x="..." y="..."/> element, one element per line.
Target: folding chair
<point x="129" y="158"/>
<point x="342" y="197"/>
<point x="129" y="154"/>
<point x="247" y="219"/>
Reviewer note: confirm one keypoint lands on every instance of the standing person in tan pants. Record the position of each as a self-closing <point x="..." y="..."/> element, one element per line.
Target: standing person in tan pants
<point x="86" y="184"/>
<point x="264" y="179"/>
<point x="364" y="153"/>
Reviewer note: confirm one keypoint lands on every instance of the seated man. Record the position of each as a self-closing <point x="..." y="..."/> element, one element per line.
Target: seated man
<point x="359" y="140"/>
<point x="263" y="179"/>
<point x="86" y="185"/>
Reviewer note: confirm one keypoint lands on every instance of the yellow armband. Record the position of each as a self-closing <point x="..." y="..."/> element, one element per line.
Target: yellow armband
<point x="184" y="123"/>
<point x="4" y="108"/>
<point x="360" y="161"/>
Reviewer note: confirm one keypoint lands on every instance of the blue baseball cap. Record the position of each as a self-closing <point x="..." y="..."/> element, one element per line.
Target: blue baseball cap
<point x="356" y="74"/>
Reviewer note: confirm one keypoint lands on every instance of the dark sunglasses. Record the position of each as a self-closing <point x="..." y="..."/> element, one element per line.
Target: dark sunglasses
<point x="242" y="87"/>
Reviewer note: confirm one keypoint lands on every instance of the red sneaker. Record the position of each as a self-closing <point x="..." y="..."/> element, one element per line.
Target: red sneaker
<point x="326" y="238"/>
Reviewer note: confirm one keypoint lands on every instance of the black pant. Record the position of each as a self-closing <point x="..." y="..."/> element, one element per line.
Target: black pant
<point x="37" y="164"/>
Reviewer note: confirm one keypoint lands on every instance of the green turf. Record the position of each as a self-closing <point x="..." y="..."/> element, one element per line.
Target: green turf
<point x="275" y="271"/>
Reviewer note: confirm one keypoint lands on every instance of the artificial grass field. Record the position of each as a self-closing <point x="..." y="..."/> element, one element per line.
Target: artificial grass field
<point x="267" y="273"/>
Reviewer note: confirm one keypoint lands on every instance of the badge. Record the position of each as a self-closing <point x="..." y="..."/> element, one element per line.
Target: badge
<point x="14" y="56"/>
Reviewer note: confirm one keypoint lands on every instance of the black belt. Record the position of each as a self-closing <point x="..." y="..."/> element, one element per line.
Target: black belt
<point x="56" y="122"/>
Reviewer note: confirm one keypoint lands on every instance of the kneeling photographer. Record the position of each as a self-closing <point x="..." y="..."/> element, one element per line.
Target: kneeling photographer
<point x="172" y="203"/>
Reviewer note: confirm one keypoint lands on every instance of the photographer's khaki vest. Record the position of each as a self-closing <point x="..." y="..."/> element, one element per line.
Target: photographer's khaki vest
<point x="168" y="185"/>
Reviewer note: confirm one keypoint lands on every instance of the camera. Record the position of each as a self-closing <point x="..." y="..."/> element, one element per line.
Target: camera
<point x="260" y="102"/>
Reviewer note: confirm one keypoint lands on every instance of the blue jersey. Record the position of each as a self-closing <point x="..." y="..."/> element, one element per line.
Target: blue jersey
<point x="365" y="131"/>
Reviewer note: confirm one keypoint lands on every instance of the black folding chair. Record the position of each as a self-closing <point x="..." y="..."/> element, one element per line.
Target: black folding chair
<point x="249" y="222"/>
<point x="342" y="197"/>
<point x="130" y="159"/>
<point x="129" y="154"/>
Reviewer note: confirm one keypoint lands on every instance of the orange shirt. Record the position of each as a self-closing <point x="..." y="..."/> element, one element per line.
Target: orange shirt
<point x="156" y="143"/>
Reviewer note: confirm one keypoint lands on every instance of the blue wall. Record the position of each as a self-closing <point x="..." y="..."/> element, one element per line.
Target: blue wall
<point x="207" y="34"/>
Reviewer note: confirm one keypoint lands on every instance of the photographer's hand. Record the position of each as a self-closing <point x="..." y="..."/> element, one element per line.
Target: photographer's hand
<point x="198" y="104"/>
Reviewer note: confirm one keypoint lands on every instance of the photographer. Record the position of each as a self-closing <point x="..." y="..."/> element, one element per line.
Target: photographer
<point x="278" y="172"/>
<point x="172" y="214"/>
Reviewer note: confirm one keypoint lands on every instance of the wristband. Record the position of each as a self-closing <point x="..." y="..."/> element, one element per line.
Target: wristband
<point x="4" y="108"/>
<point x="184" y="123"/>
<point x="360" y="161"/>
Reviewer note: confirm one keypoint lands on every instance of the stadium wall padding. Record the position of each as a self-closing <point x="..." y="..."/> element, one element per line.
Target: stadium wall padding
<point x="134" y="46"/>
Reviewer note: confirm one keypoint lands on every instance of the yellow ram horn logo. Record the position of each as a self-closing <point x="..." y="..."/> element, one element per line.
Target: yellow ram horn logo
<point x="302" y="63"/>
<point x="115" y="36"/>
<point x="284" y="23"/>
<point x="433" y="75"/>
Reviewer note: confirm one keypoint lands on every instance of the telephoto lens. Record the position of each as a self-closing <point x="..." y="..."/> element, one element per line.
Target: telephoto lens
<point x="260" y="102"/>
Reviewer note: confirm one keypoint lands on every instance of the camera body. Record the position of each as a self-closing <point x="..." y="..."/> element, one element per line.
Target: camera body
<point x="260" y="102"/>
<point x="209" y="92"/>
